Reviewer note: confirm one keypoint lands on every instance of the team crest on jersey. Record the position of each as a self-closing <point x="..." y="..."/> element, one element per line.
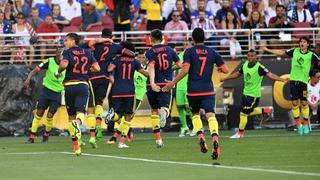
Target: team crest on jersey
<point x="248" y="77"/>
<point x="300" y="61"/>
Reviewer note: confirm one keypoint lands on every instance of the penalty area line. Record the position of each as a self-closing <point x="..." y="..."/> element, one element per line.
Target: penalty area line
<point x="199" y="164"/>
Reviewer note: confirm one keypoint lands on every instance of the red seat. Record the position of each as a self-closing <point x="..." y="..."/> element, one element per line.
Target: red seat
<point x="76" y="21"/>
<point x="299" y="34"/>
<point x="71" y="29"/>
<point x="107" y="22"/>
<point x="97" y="28"/>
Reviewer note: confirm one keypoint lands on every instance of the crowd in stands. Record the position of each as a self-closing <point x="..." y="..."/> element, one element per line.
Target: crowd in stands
<point x="51" y="16"/>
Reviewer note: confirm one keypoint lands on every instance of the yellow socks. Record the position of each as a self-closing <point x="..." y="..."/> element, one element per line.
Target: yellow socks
<point x="98" y="111"/>
<point x="213" y="125"/>
<point x="197" y="123"/>
<point x="91" y="121"/>
<point x="305" y="111"/>
<point x="256" y="111"/>
<point x="155" y="122"/>
<point x="243" y="121"/>
<point x="296" y="111"/>
<point x="49" y="124"/>
<point x="35" y="123"/>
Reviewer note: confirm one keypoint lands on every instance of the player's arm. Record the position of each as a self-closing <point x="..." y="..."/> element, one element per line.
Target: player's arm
<point x="63" y="65"/>
<point x="183" y="73"/>
<point x="43" y="65"/>
<point x="127" y="52"/>
<point x="278" y="52"/>
<point x="152" y="76"/>
<point x="91" y="43"/>
<point x="275" y="77"/>
<point x="95" y="67"/>
<point x="144" y="72"/>
<point x="111" y="67"/>
<point x="223" y="68"/>
<point x="234" y="75"/>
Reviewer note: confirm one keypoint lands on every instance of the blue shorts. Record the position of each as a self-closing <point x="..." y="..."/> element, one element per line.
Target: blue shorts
<point x="204" y="102"/>
<point x="123" y="105"/>
<point x="298" y="90"/>
<point x="98" y="90"/>
<point x="49" y="98"/>
<point x="76" y="97"/>
<point x="158" y="99"/>
<point x="248" y="104"/>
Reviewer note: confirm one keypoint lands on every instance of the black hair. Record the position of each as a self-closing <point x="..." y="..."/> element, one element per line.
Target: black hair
<point x="198" y="35"/>
<point x="106" y="33"/>
<point x="128" y="45"/>
<point x="313" y="72"/>
<point x="156" y="35"/>
<point x="141" y="52"/>
<point x="280" y="5"/>
<point x="252" y="51"/>
<point x="306" y="39"/>
<point x="74" y="36"/>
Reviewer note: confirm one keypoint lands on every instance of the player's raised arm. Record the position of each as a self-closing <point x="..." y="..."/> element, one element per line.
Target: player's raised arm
<point x="43" y="65"/>
<point x="234" y="75"/>
<point x="276" y="52"/>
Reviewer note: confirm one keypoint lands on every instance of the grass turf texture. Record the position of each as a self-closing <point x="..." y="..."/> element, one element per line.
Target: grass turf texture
<point x="263" y="149"/>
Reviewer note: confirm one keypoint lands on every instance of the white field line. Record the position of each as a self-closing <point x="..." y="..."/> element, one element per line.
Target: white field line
<point x="199" y="164"/>
<point x="174" y="162"/>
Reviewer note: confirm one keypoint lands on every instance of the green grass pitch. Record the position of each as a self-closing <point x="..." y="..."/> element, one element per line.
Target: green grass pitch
<point x="262" y="154"/>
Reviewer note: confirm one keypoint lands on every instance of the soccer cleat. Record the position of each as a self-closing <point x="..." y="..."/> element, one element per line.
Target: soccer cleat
<point x="305" y="129"/>
<point x="98" y="133"/>
<point x="93" y="143"/>
<point x="300" y="130"/>
<point x="130" y="136"/>
<point x="164" y="113"/>
<point x="183" y="132"/>
<point x="30" y="141"/>
<point x="112" y="140"/>
<point x="237" y="135"/>
<point x="203" y="146"/>
<point x="109" y="115"/>
<point x="193" y="133"/>
<point x="215" y="150"/>
<point x="159" y="143"/>
<point x="122" y="145"/>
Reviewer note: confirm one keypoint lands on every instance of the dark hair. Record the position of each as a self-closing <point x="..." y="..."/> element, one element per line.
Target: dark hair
<point x="106" y="33"/>
<point x="244" y="10"/>
<point x="156" y="35"/>
<point x="280" y="5"/>
<point x="141" y="52"/>
<point x="305" y="38"/>
<point x="234" y="21"/>
<point x="252" y="51"/>
<point x="313" y="72"/>
<point x="128" y="45"/>
<point x="74" y="36"/>
<point x="21" y="15"/>
<point x="198" y="35"/>
<point x="48" y="15"/>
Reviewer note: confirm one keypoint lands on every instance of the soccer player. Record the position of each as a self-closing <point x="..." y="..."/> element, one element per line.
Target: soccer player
<point x="181" y="98"/>
<point x="50" y="95"/>
<point x="301" y="63"/>
<point x="253" y="73"/>
<point x="314" y="91"/>
<point x="160" y="59"/>
<point x="103" y="51"/>
<point x="78" y="63"/>
<point x="199" y="62"/>
<point x="123" y="92"/>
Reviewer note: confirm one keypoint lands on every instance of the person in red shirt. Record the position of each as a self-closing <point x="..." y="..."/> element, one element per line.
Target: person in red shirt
<point x="47" y="42"/>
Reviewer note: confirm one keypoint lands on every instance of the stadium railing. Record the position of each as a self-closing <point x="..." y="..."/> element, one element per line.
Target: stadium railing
<point x="17" y="48"/>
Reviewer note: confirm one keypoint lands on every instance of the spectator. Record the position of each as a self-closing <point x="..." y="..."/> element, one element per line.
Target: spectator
<point x="299" y="13"/>
<point x="57" y="18"/>
<point x="201" y="5"/>
<point x="184" y="15"/>
<point x="9" y="13"/>
<point x="167" y="8"/>
<point x="256" y="21"/>
<point x="44" y="8"/>
<point x="192" y="5"/>
<point x="46" y="42"/>
<point x="222" y="13"/>
<point x="231" y="37"/>
<point x="204" y="23"/>
<point x="24" y="29"/>
<point x="316" y="16"/>
<point x="268" y="9"/>
<point x="26" y="7"/>
<point x="213" y="6"/>
<point x="152" y="8"/>
<point x="5" y="28"/>
<point x="91" y="17"/>
<point x="247" y="9"/>
<point x="176" y="25"/>
<point x="121" y="15"/>
<point x="101" y="7"/>
<point x="70" y="9"/>
<point x="34" y="20"/>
